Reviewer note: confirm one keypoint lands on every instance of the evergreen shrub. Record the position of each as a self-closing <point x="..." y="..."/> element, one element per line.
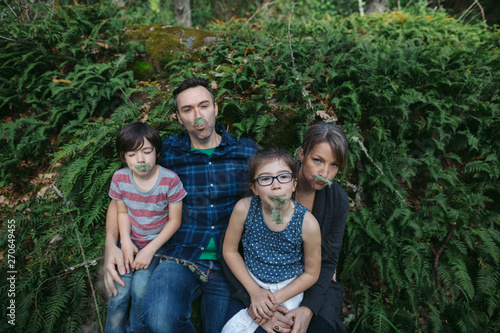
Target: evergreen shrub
<point x="416" y="93"/>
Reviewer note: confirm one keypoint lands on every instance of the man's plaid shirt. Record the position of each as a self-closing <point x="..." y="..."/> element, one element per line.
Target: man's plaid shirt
<point x="213" y="183"/>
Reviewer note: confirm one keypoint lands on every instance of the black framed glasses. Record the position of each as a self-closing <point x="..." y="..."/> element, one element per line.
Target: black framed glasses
<point x="268" y="180"/>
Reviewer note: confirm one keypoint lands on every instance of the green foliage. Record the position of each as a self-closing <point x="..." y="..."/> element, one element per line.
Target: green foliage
<point x="416" y="93"/>
<point x="54" y="77"/>
<point x="47" y="296"/>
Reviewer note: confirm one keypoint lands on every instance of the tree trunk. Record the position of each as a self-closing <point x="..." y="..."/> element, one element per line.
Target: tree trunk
<point x="377" y="6"/>
<point x="182" y="12"/>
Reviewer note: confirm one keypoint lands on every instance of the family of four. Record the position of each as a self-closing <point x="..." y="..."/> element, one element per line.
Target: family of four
<point x="254" y="234"/>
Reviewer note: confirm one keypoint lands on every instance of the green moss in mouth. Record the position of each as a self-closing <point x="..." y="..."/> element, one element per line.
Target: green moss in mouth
<point x="199" y="121"/>
<point x="279" y="200"/>
<point x="319" y="178"/>
<point x="277" y="214"/>
<point x="142" y="167"/>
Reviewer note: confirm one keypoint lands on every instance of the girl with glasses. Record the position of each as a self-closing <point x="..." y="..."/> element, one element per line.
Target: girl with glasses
<point x="322" y="155"/>
<point x="281" y="242"/>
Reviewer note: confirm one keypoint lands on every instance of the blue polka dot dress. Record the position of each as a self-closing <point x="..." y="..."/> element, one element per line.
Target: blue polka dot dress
<point x="273" y="256"/>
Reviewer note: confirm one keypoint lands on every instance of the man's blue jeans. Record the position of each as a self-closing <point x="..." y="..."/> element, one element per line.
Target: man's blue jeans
<point x="171" y="291"/>
<point x="135" y="288"/>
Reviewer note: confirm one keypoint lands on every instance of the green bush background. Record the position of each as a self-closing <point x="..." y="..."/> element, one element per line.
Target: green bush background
<point x="416" y="92"/>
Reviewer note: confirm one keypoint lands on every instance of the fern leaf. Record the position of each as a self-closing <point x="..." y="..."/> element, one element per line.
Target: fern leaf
<point x="463" y="278"/>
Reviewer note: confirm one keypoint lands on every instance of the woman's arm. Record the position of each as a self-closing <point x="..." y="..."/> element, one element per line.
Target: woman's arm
<point x="261" y="299"/>
<point x="143" y="258"/>
<point x="311" y="238"/>
<point x="330" y="208"/>
<point x="334" y="205"/>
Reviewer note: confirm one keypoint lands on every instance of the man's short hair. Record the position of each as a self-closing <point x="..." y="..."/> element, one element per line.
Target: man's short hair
<point x="191" y="83"/>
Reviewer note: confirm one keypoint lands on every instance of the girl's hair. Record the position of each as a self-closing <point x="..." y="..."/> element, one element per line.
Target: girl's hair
<point x="132" y="136"/>
<point x="267" y="156"/>
<point x="331" y="134"/>
<point x="191" y="83"/>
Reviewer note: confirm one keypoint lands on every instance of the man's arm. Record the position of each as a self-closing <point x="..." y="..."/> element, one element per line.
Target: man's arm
<point x="128" y="247"/>
<point x="143" y="258"/>
<point x="113" y="256"/>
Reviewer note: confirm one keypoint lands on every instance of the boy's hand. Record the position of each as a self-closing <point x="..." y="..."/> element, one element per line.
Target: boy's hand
<point x="143" y="259"/>
<point x="129" y="250"/>
<point x="263" y="303"/>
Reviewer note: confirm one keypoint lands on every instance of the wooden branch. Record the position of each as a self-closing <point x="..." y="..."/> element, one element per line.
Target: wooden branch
<point x="297" y="78"/>
<point x="77" y="233"/>
<point x="265" y="4"/>
<point x="363" y="148"/>
<point x="88" y="263"/>
<point x="437" y="253"/>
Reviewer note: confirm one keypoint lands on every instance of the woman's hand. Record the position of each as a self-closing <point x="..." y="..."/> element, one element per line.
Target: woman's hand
<point x="269" y="327"/>
<point x="277" y="320"/>
<point x="301" y="317"/>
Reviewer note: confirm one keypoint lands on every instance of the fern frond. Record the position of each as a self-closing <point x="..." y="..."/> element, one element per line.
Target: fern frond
<point x="463" y="278"/>
<point x="55" y="306"/>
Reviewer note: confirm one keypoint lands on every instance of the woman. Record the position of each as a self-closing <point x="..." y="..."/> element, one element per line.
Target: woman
<point x="322" y="155"/>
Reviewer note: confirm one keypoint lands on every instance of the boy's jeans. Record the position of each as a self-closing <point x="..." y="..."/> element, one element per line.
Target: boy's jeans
<point x="135" y="287"/>
<point x="172" y="290"/>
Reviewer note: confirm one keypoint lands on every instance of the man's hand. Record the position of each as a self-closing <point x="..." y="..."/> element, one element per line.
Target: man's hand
<point x="113" y="260"/>
<point x="301" y="318"/>
<point x="129" y="250"/>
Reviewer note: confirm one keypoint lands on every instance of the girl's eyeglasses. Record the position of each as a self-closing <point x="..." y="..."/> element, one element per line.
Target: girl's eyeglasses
<point x="268" y="180"/>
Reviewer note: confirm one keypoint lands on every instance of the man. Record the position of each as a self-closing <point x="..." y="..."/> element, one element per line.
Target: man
<point x="212" y="166"/>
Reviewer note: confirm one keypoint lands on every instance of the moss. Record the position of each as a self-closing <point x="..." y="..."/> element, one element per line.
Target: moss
<point x="142" y="70"/>
<point x="142" y="167"/>
<point x="164" y="43"/>
<point x="199" y="121"/>
<point x="277" y="214"/>
<point x="319" y="178"/>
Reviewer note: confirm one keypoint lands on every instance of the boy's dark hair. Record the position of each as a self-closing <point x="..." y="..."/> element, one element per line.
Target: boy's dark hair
<point x="131" y="137"/>
<point x="191" y="83"/>
<point x="269" y="155"/>
<point x="331" y="134"/>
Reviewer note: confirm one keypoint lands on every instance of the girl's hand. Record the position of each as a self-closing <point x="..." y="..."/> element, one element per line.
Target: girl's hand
<point x="143" y="259"/>
<point x="129" y="250"/>
<point x="263" y="303"/>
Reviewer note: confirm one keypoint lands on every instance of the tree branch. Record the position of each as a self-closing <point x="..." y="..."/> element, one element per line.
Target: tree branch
<point x="88" y="263"/>
<point x="363" y="148"/>
<point x="438" y="253"/>
<point x="304" y="92"/>
<point x="67" y="202"/>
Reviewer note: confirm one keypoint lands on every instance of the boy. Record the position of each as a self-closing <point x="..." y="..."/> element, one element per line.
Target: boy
<point x="149" y="200"/>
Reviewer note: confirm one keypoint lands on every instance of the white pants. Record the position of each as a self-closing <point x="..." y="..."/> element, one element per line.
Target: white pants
<point x="241" y="322"/>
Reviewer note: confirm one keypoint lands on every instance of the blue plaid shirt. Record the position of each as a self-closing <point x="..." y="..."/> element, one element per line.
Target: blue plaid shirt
<point x="213" y="183"/>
